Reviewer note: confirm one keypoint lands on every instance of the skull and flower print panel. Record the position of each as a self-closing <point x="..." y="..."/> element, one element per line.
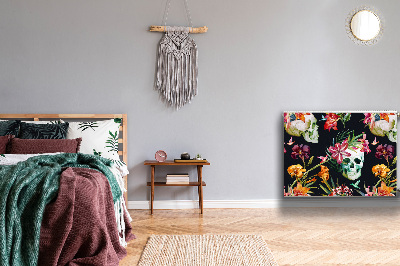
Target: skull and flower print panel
<point x="340" y="153"/>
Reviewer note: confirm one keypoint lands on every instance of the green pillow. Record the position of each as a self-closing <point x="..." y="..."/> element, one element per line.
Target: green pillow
<point x="10" y="127"/>
<point x="43" y="131"/>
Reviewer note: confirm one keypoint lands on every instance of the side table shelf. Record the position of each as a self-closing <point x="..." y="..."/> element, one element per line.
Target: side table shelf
<point x="199" y="184"/>
<point x="164" y="184"/>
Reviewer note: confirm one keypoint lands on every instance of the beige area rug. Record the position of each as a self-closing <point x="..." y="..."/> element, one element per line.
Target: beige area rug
<point x="206" y="250"/>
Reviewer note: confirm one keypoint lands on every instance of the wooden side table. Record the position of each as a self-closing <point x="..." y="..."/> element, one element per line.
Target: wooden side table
<point x="200" y="183"/>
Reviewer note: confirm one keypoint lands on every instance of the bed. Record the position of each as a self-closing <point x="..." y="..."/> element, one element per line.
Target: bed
<point x="63" y="205"/>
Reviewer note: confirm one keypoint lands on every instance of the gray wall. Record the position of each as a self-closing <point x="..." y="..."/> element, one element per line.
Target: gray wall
<point x="260" y="57"/>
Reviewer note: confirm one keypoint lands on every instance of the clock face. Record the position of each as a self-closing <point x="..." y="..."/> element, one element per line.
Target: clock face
<point x="161" y="156"/>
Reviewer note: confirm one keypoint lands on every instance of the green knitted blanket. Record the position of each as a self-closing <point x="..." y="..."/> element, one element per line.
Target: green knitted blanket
<point x="25" y="190"/>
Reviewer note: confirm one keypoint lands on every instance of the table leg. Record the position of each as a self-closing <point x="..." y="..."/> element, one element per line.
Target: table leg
<point x="152" y="187"/>
<point x="200" y="180"/>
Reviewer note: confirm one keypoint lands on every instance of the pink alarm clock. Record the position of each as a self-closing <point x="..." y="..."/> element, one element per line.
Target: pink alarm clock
<point x="161" y="156"/>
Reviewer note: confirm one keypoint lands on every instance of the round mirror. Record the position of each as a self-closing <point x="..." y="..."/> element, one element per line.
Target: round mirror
<point x="365" y="25"/>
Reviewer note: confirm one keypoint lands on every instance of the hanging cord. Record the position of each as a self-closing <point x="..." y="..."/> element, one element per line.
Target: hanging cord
<point x="188" y="13"/>
<point x="166" y="12"/>
<point x="165" y="17"/>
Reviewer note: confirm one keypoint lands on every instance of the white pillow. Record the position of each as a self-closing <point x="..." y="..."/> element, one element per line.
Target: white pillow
<point x="10" y="159"/>
<point x="45" y="122"/>
<point x="98" y="137"/>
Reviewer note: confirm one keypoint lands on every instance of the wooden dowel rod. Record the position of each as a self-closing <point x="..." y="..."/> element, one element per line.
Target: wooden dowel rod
<point x="191" y="30"/>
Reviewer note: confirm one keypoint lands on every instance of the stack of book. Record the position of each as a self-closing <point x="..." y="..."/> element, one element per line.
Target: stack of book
<point x="177" y="178"/>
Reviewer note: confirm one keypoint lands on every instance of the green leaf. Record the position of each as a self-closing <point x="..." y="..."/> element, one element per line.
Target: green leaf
<point x="346" y="117"/>
<point x="96" y="153"/>
<point x="343" y="135"/>
<point x="310" y="161"/>
<point x="118" y="162"/>
<point x="334" y="166"/>
<point x="112" y="142"/>
<point x="324" y="189"/>
<point x="85" y="125"/>
<point x="356" y="184"/>
<point x="394" y="161"/>
<point x="309" y="184"/>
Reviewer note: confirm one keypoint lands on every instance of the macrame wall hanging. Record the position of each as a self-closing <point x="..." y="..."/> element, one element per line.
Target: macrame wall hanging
<point x="177" y="68"/>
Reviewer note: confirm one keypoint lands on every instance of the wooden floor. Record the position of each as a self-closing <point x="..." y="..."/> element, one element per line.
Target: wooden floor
<point x="296" y="236"/>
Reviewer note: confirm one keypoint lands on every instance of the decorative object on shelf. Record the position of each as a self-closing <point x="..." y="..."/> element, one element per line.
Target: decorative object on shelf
<point x="177" y="179"/>
<point x="161" y="156"/>
<point x="185" y="156"/>
<point x="364" y="25"/>
<point x="177" y="68"/>
<point x="352" y="153"/>
<point x="198" y="157"/>
<point x="194" y="160"/>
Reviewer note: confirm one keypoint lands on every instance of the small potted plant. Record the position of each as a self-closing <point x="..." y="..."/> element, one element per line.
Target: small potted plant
<point x="198" y="157"/>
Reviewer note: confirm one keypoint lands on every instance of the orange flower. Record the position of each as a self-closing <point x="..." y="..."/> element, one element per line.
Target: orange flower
<point x="384" y="190"/>
<point x="311" y="180"/>
<point x="300" y="190"/>
<point x="324" y="174"/>
<point x="380" y="170"/>
<point x="296" y="170"/>
<point x="300" y="116"/>
<point x="384" y="116"/>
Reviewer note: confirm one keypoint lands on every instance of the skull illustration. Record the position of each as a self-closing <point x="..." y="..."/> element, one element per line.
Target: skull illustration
<point x="351" y="166"/>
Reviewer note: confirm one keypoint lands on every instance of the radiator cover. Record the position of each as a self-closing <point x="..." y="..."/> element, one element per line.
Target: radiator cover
<point x="340" y="153"/>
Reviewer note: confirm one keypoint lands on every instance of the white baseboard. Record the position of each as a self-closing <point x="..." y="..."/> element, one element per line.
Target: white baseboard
<point x="266" y="203"/>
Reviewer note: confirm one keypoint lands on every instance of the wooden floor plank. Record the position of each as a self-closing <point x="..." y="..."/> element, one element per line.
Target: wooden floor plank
<point x="296" y="236"/>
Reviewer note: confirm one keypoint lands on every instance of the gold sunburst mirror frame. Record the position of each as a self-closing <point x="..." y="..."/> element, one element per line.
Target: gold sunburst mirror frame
<point x="364" y="25"/>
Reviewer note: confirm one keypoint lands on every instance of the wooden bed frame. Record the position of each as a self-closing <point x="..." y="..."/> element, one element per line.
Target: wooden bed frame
<point x="123" y="138"/>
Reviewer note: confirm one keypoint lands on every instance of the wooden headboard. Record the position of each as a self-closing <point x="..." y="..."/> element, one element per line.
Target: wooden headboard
<point x="123" y="138"/>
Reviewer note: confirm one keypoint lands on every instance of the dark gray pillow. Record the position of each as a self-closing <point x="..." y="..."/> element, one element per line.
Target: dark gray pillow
<point x="43" y="131"/>
<point x="10" y="127"/>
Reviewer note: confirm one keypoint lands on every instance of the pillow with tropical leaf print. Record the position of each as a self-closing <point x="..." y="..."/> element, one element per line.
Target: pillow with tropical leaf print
<point x="9" y="127"/>
<point x="43" y="131"/>
<point x="98" y="137"/>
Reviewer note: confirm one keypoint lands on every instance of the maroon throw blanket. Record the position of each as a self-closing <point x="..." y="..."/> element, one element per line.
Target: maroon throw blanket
<point x="79" y="227"/>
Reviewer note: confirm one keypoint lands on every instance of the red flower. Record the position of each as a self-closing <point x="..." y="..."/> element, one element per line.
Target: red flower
<point x="286" y="119"/>
<point x="339" y="150"/>
<point x="342" y="191"/>
<point x="369" y="119"/>
<point x="331" y="121"/>
<point x="323" y="159"/>
<point x="365" y="144"/>
<point x="385" y="151"/>
<point x="303" y="151"/>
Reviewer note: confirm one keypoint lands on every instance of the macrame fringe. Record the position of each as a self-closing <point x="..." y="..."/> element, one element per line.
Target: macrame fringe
<point x="120" y="209"/>
<point x="119" y="215"/>
<point x="177" y="67"/>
